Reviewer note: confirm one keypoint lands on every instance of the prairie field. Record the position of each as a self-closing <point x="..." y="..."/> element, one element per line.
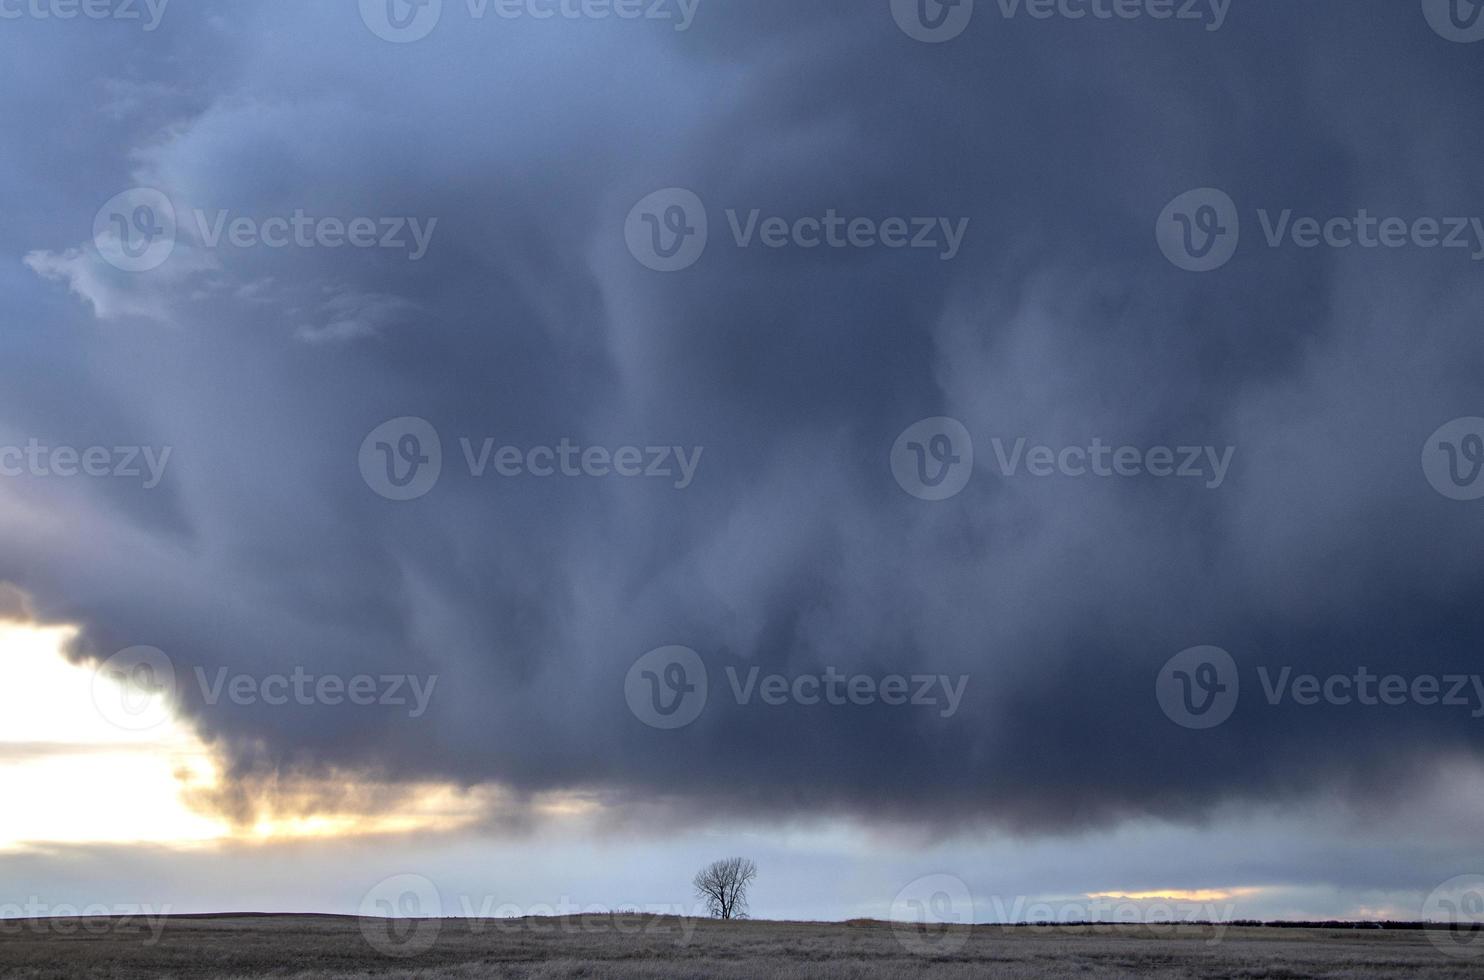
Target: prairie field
<point x="641" y="947"/>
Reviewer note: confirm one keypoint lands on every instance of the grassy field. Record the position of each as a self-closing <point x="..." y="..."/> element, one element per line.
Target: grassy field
<point x="640" y="946"/>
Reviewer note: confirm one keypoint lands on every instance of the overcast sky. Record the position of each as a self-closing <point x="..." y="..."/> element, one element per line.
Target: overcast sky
<point x="402" y="318"/>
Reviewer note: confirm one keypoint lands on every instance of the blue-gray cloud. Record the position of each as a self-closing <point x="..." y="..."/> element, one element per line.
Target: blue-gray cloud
<point x="528" y="321"/>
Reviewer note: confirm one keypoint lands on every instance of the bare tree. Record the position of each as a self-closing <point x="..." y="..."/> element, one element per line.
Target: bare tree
<point x="723" y="885"/>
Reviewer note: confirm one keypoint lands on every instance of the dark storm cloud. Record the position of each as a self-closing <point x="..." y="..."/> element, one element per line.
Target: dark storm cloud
<point x="794" y="549"/>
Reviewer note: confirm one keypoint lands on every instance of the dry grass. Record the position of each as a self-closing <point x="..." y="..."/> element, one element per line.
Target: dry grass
<point x="649" y="948"/>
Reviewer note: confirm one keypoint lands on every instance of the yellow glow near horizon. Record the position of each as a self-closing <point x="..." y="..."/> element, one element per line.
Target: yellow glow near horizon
<point x="70" y="776"/>
<point x="1180" y="895"/>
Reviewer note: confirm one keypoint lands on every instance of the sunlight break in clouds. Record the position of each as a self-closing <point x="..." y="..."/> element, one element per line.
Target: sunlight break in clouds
<point x="1180" y="895"/>
<point x="87" y="780"/>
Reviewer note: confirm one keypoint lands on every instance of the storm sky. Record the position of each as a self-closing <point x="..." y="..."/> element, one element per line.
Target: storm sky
<point x="778" y="381"/>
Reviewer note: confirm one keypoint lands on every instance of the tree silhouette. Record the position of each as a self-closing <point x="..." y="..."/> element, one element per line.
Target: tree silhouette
<point x="723" y="885"/>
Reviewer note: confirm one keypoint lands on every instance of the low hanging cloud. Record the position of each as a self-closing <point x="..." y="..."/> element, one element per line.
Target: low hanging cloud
<point x="1052" y="145"/>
